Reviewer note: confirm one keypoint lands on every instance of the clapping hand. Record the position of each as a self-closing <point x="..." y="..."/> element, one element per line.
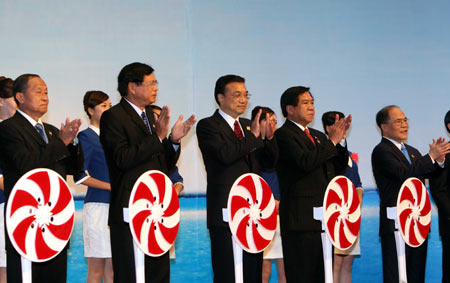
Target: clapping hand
<point x="69" y="130"/>
<point x="180" y="129"/>
<point x="162" y="123"/>
<point x="338" y="130"/>
<point x="438" y="149"/>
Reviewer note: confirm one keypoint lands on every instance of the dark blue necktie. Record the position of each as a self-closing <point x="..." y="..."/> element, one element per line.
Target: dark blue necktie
<point x="147" y="124"/>
<point x="41" y="132"/>
<point x="405" y="153"/>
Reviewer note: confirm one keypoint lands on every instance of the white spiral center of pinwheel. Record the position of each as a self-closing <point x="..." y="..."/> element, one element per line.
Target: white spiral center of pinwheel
<point x="344" y="211"/>
<point x="43" y="215"/>
<point x="415" y="213"/>
<point x="157" y="212"/>
<point x="255" y="212"/>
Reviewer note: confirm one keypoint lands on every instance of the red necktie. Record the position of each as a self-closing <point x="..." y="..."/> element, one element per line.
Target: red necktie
<point x="309" y="136"/>
<point x="237" y="130"/>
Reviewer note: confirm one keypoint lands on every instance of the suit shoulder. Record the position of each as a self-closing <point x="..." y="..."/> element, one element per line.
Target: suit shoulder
<point x="86" y="133"/>
<point x="206" y="121"/>
<point x="317" y="133"/>
<point x="50" y="127"/>
<point x="411" y="148"/>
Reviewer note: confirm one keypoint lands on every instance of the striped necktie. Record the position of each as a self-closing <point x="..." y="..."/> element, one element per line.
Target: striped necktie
<point x="238" y="130"/>
<point x="309" y="136"/>
<point x="405" y="153"/>
<point x="40" y="130"/>
<point x="147" y="124"/>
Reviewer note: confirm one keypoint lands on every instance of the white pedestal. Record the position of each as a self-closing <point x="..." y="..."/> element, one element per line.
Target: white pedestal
<point x="326" y="246"/>
<point x="400" y="245"/>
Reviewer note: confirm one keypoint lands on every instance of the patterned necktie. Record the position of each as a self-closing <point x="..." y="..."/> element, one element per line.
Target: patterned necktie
<point x="147" y="124"/>
<point x="40" y="130"/>
<point x="237" y="130"/>
<point x="309" y="136"/>
<point x="405" y="153"/>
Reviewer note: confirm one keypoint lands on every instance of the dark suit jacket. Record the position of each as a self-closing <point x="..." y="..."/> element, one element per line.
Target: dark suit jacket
<point x="22" y="149"/>
<point x="131" y="150"/>
<point x="304" y="171"/>
<point x="390" y="169"/>
<point x="440" y="189"/>
<point x="226" y="158"/>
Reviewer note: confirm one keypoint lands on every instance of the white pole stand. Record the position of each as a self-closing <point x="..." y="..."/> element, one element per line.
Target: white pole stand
<point x="237" y="254"/>
<point x="400" y="245"/>
<point x="326" y="246"/>
<point x="26" y="270"/>
<point x="139" y="257"/>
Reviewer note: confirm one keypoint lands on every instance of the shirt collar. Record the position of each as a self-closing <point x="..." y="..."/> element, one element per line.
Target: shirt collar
<point x="397" y="144"/>
<point x="31" y="120"/>
<point x="138" y="111"/>
<point x="230" y="120"/>
<point x="95" y="129"/>
<point x="300" y="126"/>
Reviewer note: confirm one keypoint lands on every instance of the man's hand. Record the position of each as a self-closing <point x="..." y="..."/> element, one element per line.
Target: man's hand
<point x="162" y="123"/>
<point x="438" y="149"/>
<point x="69" y="130"/>
<point x="338" y="130"/>
<point x="271" y="126"/>
<point x="256" y="127"/>
<point x="180" y="129"/>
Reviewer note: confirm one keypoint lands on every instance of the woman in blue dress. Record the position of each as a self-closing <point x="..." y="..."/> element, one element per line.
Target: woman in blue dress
<point x="97" y="247"/>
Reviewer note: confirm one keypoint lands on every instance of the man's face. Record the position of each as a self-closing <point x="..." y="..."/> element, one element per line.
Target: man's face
<point x="235" y="100"/>
<point x="34" y="101"/>
<point x="396" y="128"/>
<point x="144" y="94"/>
<point x="304" y="112"/>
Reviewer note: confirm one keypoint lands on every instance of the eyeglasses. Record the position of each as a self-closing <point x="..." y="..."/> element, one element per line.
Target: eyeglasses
<point x="399" y="122"/>
<point x="236" y="95"/>
<point x="150" y="83"/>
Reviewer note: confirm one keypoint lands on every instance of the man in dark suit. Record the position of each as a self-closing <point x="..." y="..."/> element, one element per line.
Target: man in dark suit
<point x="308" y="161"/>
<point x="393" y="162"/>
<point x="440" y="189"/>
<point x="135" y="143"/>
<point x="27" y="143"/>
<point x="231" y="146"/>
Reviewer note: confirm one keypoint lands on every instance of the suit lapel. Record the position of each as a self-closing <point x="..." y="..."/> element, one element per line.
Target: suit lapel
<point x="26" y="126"/>
<point x="300" y="134"/>
<point x="134" y="116"/>
<point x="225" y="128"/>
<point x="397" y="151"/>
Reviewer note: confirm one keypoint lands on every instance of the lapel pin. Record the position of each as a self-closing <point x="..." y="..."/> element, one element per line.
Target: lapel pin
<point x="50" y="133"/>
<point x="412" y="156"/>
<point x="248" y="128"/>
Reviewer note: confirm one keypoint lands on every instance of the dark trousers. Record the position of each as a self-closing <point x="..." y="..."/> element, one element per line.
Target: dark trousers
<point x="223" y="262"/>
<point x="52" y="271"/>
<point x="157" y="269"/>
<point x="303" y="256"/>
<point x="415" y="260"/>
<point x="445" y="258"/>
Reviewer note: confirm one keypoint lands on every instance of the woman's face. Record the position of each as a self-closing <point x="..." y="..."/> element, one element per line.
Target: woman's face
<point x="8" y="107"/>
<point x="97" y="111"/>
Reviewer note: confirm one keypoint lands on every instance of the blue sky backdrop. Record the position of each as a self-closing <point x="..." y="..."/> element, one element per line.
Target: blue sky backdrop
<point x="357" y="56"/>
